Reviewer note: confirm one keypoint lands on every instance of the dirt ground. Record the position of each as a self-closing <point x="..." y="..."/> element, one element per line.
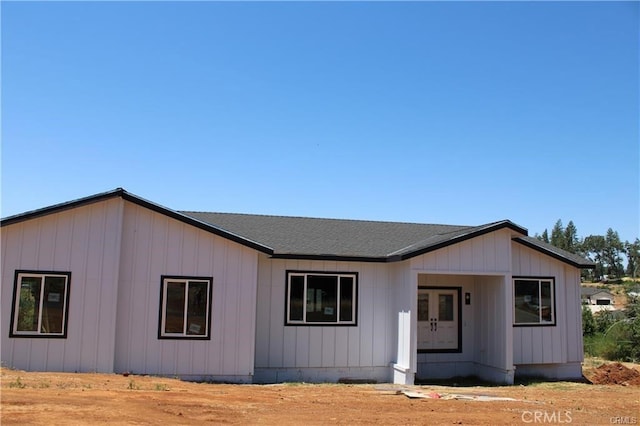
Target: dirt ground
<point x="68" y="398"/>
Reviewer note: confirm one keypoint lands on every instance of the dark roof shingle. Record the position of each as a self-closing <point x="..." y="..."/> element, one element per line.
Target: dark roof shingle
<point x="314" y="237"/>
<point x="303" y="237"/>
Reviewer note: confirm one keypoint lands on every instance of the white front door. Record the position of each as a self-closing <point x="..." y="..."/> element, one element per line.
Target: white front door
<point x="438" y="319"/>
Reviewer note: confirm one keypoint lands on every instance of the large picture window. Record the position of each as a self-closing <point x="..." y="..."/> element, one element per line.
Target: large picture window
<point x="185" y="308"/>
<point x="321" y="298"/>
<point x="40" y="304"/>
<point x="534" y="301"/>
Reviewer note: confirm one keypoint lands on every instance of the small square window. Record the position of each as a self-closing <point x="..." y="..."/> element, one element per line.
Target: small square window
<point x="534" y="301"/>
<point x="321" y="298"/>
<point x="185" y="308"/>
<point x="40" y="304"/>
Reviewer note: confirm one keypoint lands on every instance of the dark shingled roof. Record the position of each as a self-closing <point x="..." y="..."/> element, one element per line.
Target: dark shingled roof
<point x="553" y="251"/>
<point x="590" y="291"/>
<point x="311" y="238"/>
<point x="338" y="238"/>
<point x="325" y="237"/>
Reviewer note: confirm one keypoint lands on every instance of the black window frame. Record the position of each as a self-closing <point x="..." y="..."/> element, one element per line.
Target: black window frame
<point x="338" y="323"/>
<point x="539" y="280"/>
<point x="162" y="312"/>
<point x="13" y="332"/>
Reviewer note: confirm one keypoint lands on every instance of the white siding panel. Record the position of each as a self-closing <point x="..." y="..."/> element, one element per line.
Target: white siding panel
<point x="289" y="341"/>
<point x="328" y="346"/>
<point x="315" y="347"/>
<point x="454" y="255"/>
<point x="574" y="348"/>
<point x="354" y="347"/>
<point x="342" y="346"/>
<point x="369" y="344"/>
<point x="85" y="242"/>
<point x="155" y="245"/>
<point x="526" y="354"/>
<point x="380" y="327"/>
<point x="557" y="344"/>
<point x="263" y="312"/>
<point x="302" y="348"/>
<point x="478" y="246"/>
<point x="365" y="325"/>
<point x="485" y="254"/>
<point x="276" y="318"/>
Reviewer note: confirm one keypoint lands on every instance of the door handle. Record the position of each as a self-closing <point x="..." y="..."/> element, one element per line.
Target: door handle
<point x="434" y="324"/>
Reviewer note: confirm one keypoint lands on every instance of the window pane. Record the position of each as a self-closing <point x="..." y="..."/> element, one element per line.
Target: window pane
<point x="29" y="304"/>
<point x="296" y="298"/>
<point x="445" y="307"/>
<point x="423" y="306"/>
<point x="346" y="299"/>
<point x="545" y="301"/>
<point x="526" y="301"/>
<point x="197" y="308"/>
<point x="174" y="314"/>
<point x="321" y="298"/>
<point x="53" y="305"/>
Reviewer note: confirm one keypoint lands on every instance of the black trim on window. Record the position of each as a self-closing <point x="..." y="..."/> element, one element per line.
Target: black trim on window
<point x="459" y="348"/>
<point x="553" y="305"/>
<point x="37" y="334"/>
<point x="184" y="335"/>
<point x="337" y="323"/>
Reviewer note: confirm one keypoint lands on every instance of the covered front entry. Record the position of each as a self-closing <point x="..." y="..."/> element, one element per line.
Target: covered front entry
<point x="462" y="326"/>
<point x="439" y="320"/>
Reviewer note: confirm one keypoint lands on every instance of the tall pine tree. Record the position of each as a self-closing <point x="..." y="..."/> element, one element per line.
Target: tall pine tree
<point x="557" y="235"/>
<point x="571" y="242"/>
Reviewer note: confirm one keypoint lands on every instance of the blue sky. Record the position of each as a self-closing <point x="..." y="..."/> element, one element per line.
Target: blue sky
<point x="459" y="113"/>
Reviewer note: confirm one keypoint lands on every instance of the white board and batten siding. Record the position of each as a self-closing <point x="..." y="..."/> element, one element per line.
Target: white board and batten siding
<point x="86" y="242"/>
<point x="487" y="254"/>
<point x="324" y="353"/>
<point x="154" y="245"/>
<point x="481" y="266"/>
<point x="561" y="344"/>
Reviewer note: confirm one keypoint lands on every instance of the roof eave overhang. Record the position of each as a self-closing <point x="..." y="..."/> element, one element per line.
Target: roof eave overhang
<point x="458" y="239"/>
<point x="119" y="192"/>
<point x="588" y="265"/>
<point x="57" y="208"/>
<point x="331" y="257"/>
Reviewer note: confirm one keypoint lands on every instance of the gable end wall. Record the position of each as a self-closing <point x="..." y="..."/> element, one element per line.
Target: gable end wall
<point x="154" y="245"/>
<point x="86" y="242"/>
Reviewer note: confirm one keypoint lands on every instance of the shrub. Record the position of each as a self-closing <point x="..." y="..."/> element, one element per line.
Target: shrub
<point x="588" y="323"/>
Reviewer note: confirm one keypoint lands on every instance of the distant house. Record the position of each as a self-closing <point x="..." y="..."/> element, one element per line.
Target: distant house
<point x="596" y="296"/>
<point x="114" y="283"/>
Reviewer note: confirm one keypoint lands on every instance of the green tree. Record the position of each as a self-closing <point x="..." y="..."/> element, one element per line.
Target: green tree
<point x="557" y="235"/>
<point x="571" y="242"/>
<point x="588" y="323"/>
<point x="545" y="236"/>
<point x="632" y="250"/>
<point x="611" y="256"/>
<point x="604" y="320"/>
<point x="626" y="333"/>
<point x="593" y="248"/>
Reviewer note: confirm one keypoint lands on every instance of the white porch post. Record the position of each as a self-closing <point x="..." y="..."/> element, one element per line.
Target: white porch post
<point x="404" y="369"/>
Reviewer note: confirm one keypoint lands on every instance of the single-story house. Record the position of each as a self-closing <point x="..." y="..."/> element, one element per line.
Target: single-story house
<point x="596" y="296"/>
<point x="114" y="283"/>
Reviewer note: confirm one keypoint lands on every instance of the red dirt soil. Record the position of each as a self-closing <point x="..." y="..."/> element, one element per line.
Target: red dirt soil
<point x="614" y="374"/>
<point x="87" y="399"/>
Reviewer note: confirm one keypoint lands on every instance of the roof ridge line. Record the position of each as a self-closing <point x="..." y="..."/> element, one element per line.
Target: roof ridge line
<point x="328" y="218"/>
